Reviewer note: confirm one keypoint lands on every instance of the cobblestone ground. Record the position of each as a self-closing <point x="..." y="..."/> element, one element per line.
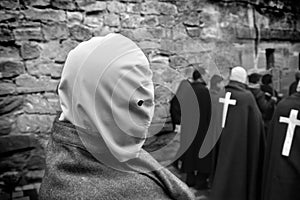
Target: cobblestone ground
<point x="168" y="144"/>
<point x="200" y="194"/>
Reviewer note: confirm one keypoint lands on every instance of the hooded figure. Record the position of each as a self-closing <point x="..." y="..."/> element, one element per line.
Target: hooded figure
<point x="241" y="144"/>
<point x="95" y="150"/>
<point x="282" y="164"/>
<point x="293" y="86"/>
<point x="193" y="117"/>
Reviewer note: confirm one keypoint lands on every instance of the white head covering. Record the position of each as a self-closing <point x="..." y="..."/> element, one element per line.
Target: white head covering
<point x="238" y="74"/>
<point x="298" y="87"/>
<point x="106" y="87"/>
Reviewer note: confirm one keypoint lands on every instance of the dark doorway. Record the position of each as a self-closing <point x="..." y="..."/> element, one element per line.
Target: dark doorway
<point x="270" y="58"/>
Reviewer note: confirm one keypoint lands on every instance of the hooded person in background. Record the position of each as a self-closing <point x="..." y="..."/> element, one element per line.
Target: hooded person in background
<point x="210" y="144"/>
<point x="293" y="86"/>
<point x="95" y="150"/>
<point x="267" y="88"/>
<point x="266" y="107"/>
<point x="241" y="145"/>
<point x="197" y="170"/>
<point x="282" y="161"/>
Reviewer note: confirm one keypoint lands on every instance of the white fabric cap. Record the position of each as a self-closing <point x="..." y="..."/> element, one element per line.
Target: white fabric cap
<point x="238" y="74"/>
<point x="106" y="88"/>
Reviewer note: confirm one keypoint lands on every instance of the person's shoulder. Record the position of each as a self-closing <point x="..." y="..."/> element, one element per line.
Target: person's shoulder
<point x="248" y="96"/>
<point x="244" y="93"/>
<point x="294" y="99"/>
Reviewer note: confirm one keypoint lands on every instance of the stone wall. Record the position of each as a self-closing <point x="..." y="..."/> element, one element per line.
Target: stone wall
<point x="36" y="36"/>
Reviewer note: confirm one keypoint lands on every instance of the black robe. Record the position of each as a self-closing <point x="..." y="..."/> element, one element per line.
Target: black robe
<point x="293" y="88"/>
<point x="210" y="143"/>
<point x="281" y="173"/>
<point x="239" y="164"/>
<point x="192" y="96"/>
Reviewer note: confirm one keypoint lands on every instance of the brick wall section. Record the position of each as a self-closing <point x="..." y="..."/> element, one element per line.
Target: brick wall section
<point x="36" y="36"/>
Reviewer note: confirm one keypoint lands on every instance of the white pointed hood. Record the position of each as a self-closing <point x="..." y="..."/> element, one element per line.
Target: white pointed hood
<point x="106" y="88"/>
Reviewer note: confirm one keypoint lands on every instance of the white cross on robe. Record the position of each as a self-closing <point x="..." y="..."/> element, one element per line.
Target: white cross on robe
<point x="227" y="101"/>
<point x="292" y="122"/>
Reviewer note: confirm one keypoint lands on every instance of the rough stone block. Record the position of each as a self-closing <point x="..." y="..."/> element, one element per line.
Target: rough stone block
<point x="55" y="30"/>
<point x="63" y="4"/>
<point x="197" y="46"/>
<point x="130" y="21"/>
<point x="293" y="62"/>
<point x="30" y="33"/>
<point x="134" y="8"/>
<point x="17" y="194"/>
<point x="43" y="67"/>
<point x="74" y="17"/>
<point x="10" y="69"/>
<point x="33" y="176"/>
<point x="7" y="88"/>
<point x="30" y="50"/>
<point x="81" y="3"/>
<point x="159" y="58"/>
<point x="103" y="31"/>
<point x="94" y="21"/>
<point x="10" y="178"/>
<point x="296" y="35"/>
<point x="163" y="94"/>
<point x="37" y="2"/>
<point x="138" y="34"/>
<point x="247" y="59"/>
<point x="9" y="4"/>
<point x="21" y="161"/>
<point x="166" y="8"/>
<point x="116" y="7"/>
<point x="38" y="104"/>
<point x="93" y="6"/>
<point x="150" y="21"/>
<point x="157" y="33"/>
<point x="45" y="14"/>
<point x="10" y="104"/>
<point x="190" y="18"/>
<point x="112" y="20"/>
<point x="37" y="158"/>
<point x="210" y="33"/>
<point x="148" y="45"/>
<point x="35" y="123"/>
<point x="261" y="62"/>
<point x="5" y="126"/>
<point x="25" y="24"/>
<point x="64" y="48"/>
<point x="171" y="46"/>
<point x="29" y="84"/>
<point x="133" y="1"/>
<point x="245" y="33"/>
<point x="9" y="53"/>
<point x="50" y="49"/>
<point x="160" y="113"/>
<point x="149" y="8"/>
<point x="190" y="5"/>
<point x="179" y="32"/>
<point x="193" y="31"/>
<point x="80" y="33"/>
<point x="6" y="34"/>
<point x="8" y="15"/>
<point x="167" y="21"/>
<point x="178" y="61"/>
<point x="11" y="143"/>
